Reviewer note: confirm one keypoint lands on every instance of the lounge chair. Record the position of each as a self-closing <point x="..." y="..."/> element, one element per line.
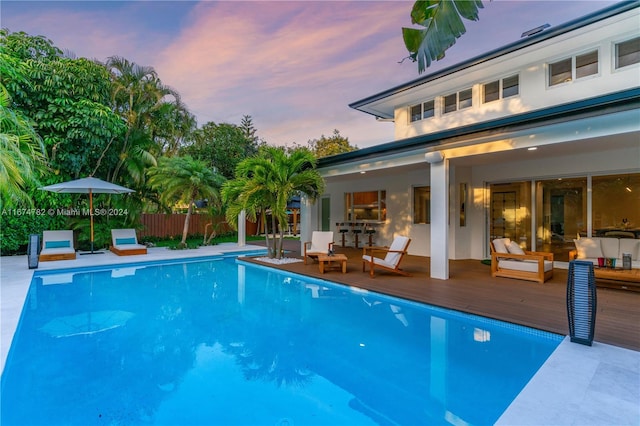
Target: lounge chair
<point x="510" y="261"/>
<point x="393" y="256"/>
<point x="57" y="245"/>
<point x="321" y="242"/>
<point x="124" y="242"/>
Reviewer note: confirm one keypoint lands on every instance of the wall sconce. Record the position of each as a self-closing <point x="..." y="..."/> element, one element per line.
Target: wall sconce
<point x="434" y="157"/>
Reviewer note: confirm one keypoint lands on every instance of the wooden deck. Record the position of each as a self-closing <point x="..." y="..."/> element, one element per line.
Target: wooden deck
<point x="471" y="289"/>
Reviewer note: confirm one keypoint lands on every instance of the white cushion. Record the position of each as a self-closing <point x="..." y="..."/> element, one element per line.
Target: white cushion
<point x="630" y="246"/>
<point x="399" y="244"/>
<point x="320" y="241"/>
<point x="610" y="247"/>
<point x="125" y="247"/>
<point x="378" y="261"/>
<point x="514" y="248"/>
<point x="588" y="248"/>
<point x="500" y="245"/>
<point x="524" y="265"/>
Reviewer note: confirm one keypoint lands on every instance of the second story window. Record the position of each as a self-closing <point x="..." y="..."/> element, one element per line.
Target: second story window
<point x="465" y="99"/>
<point x="628" y="53"/>
<point x="491" y="92"/>
<point x="508" y="86"/>
<point x="572" y="68"/>
<point x="428" y="109"/>
<point x="587" y="64"/>
<point x="450" y="103"/>
<point x="560" y="72"/>
<point x="455" y="101"/>
<point x="423" y="110"/>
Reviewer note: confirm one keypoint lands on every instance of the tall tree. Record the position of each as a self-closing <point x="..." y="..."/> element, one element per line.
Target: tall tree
<point x="222" y="146"/>
<point x="441" y="22"/>
<point x="334" y="144"/>
<point x="267" y="182"/>
<point x="249" y="130"/>
<point x="183" y="179"/>
<point x="68" y="100"/>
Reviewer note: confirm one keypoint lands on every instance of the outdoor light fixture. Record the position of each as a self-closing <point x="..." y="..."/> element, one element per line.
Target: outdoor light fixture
<point x="532" y="148"/>
<point x="434" y="157"/>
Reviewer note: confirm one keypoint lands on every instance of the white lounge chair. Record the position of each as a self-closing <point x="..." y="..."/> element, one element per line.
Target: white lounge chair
<point x="124" y="242"/>
<point x="321" y="242"/>
<point x="57" y="245"/>
<point x="392" y="259"/>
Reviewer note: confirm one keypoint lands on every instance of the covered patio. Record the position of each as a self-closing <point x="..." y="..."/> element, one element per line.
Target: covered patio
<point x="470" y="288"/>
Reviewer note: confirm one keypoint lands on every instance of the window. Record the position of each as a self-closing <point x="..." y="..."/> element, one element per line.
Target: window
<point x="560" y="72"/>
<point x="587" y="64"/>
<point x="510" y="87"/>
<point x="491" y="92"/>
<point x="428" y="109"/>
<point x="616" y="204"/>
<point x="450" y="103"/>
<point x="628" y="53"/>
<point x="416" y="112"/>
<point x="421" y="204"/>
<point x="569" y="69"/>
<point x="422" y="111"/>
<point x="464" y="99"/>
<point x="365" y="206"/>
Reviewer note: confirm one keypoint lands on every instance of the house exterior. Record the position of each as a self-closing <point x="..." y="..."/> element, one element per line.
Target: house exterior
<point x="538" y="141"/>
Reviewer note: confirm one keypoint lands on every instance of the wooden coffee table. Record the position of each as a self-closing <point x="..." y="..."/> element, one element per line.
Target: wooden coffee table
<point x="325" y="262"/>
<point x="627" y="279"/>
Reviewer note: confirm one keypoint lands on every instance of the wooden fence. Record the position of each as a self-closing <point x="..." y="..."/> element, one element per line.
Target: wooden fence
<point x="171" y="225"/>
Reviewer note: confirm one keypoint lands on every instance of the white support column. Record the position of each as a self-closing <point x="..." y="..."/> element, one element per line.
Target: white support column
<point x="439" y="215"/>
<point x="305" y="221"/>
<point x="242" y="229"/>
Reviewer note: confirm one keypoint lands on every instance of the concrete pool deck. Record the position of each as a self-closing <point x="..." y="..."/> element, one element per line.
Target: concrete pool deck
<point x="577" y="385"/>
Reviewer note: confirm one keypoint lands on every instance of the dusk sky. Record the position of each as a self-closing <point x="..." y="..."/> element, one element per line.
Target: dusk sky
<point x="294" y="66"/>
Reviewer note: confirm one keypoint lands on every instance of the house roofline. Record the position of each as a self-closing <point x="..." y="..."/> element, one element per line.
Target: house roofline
<point x="509" y="48"/>
<point x="600" y="105"/>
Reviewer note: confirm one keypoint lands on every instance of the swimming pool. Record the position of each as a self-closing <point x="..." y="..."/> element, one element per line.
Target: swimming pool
<point x="223" y="342"/>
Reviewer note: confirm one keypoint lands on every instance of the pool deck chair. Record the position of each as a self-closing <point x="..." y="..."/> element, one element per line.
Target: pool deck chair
<point x="124" y="242"/>
<point x="509" y="261"/>
<point x="393" y="256"/>
<point x="321" y="242"/>
<point x="57" y="245"/>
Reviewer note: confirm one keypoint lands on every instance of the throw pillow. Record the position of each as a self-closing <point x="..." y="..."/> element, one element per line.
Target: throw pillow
<point x="57" y="244"/>
<point x="588" y="248"/>
<point x="500" y="245"/>
<point x="122" y="241"/>
<point x="514" y="248"/>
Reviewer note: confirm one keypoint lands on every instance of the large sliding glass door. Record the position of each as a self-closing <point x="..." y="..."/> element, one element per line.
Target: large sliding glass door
<point x="510" y="212"/>
<point x="561" y="211"/>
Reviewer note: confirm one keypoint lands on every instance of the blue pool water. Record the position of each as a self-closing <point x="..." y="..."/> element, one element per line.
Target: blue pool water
<point x="221" y="342"/>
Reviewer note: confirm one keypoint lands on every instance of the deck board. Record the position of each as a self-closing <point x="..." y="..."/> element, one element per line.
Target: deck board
<point x="472" y="289"/>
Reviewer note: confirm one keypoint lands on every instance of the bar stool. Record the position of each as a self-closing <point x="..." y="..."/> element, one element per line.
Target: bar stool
<point x="357" y="230"/>
<point x="369" y="230"/>
<point x="342" y="228"/>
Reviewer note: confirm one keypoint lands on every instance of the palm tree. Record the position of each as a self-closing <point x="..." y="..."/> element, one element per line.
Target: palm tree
<point x="140" y="98"/>
<point x="183" y="179"/>
<point x="22" y="154"/>
<point x="268" y="181"/>
<point x="442" y="25"/>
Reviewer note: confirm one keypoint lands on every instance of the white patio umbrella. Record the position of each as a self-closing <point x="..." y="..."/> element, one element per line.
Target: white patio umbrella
<point x="89" y="185"/>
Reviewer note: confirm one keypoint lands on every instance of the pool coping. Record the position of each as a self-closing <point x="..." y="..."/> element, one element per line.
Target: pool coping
<point x="578" y="384"/>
